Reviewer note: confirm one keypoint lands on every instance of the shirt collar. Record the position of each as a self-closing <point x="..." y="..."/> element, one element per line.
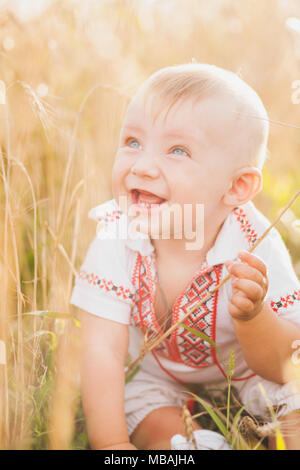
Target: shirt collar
<point x="230" y="240"/>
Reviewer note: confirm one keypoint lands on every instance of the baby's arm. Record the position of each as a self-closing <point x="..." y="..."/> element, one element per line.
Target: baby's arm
<point x="265" y="338"/>
<point x="104" y="349"/>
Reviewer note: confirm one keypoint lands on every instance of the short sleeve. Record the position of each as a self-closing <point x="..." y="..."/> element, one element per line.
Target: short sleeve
<point x="103" y="285"/>
<point x="283" y="293"/>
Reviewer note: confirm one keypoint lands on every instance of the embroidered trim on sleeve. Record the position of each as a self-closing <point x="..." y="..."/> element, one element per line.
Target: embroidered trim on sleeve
<point x="103" y="283"/>
<point x="110" y="216"/>
<point x="285" y="302"/>
<point x="245" y="225"/>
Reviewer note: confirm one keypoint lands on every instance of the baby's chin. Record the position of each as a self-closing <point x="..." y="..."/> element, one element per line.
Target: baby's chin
<point x="157" y="228"/>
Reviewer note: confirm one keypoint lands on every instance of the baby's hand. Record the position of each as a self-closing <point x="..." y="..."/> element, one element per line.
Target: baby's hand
<point x="249" y="286"/>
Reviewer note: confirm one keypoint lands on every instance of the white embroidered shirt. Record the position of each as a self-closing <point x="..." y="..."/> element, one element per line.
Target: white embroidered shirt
<point x="117" y="281"/>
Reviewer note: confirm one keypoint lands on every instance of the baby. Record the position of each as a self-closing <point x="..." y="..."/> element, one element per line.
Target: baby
<point x="192" y="146"/>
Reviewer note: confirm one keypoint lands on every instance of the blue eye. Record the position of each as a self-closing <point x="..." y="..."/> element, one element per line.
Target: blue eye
<point x="133" y="141"/>
<point x="182" y="151"/>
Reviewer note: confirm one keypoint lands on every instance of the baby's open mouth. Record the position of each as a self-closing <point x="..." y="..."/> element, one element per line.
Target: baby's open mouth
<point x="145" y="199"/>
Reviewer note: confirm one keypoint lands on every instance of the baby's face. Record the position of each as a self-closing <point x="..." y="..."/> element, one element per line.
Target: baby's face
<point x="185" y="157"/>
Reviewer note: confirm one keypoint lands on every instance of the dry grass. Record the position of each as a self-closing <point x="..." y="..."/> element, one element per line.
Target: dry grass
<point x="64" y="89"/>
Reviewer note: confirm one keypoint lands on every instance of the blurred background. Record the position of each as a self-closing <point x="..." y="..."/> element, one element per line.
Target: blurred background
<point x="67" y="71"/>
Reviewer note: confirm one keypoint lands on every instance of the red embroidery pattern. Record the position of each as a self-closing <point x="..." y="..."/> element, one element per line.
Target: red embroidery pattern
<point x="285" y="302"/>
<point x="144" y="293"/>
<point x="194" y="351"/>
<point x="245" y="225"/>
<point x="135" y="270"/>
<point x="102" y="283"/>
<point x="182" y="346"/>
<point x="110" y="216"/>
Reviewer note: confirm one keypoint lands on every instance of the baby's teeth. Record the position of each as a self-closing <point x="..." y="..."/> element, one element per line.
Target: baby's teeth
<point x="145" y="204"/>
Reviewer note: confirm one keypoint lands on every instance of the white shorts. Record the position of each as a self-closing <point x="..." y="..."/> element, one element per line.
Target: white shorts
<point x="145" y="393"/>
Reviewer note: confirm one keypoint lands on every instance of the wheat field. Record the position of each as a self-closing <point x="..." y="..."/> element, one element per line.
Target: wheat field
<point x="66" y="77"/>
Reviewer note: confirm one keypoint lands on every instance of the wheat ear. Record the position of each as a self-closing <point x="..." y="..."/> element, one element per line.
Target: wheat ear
<point x="188" y="425"/>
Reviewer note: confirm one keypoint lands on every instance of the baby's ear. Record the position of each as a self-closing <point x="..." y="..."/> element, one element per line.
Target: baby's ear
<point x="246" y="183"/>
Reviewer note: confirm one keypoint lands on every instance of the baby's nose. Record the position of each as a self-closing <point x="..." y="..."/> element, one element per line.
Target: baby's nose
<point x="145" y="167"/>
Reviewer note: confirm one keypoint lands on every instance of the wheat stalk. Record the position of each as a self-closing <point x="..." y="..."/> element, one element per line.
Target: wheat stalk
<point x="148" y="346"/>
<point x="188" y="425"/>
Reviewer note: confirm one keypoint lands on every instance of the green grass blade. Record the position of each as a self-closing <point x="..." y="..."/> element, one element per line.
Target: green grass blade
<point x="212" y="414"/>
<point x="44" y="332"/>
<point x="132" y="374"/>
<point x="56" y="315"/>
<point x="201" y="335"/>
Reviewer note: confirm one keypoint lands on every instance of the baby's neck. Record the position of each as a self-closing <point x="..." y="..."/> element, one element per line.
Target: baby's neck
<point x="176" y="249"/>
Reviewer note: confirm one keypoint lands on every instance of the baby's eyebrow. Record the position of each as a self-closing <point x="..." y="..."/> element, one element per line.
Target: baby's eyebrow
<point x="175" y="133"/>
<point x="183" y="135"/>
<point x="133" y="129"/>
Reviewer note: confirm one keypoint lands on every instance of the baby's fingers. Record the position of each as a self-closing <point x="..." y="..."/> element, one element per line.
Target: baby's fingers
<point x="244" y="271"/>
<point x="243" y="306"/>
<point x="254" y="261"/>
<point x="251" y="289"/>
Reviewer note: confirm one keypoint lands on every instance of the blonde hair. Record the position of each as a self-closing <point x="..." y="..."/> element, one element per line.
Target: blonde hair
<point x="193" y="80"/>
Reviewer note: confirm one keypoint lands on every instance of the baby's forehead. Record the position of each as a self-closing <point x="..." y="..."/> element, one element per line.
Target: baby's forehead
<point x="209" y="110"/>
